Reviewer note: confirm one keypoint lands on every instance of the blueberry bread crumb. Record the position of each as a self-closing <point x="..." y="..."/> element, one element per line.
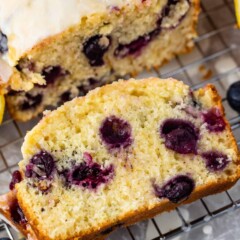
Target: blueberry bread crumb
<point x="125" y="151"/>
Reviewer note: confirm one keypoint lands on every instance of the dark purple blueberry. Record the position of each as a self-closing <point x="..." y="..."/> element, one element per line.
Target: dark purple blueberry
<point x="89" y="174"/>
<point x="133" y="48"/>
<point x="82" y="91"/>
<point x="136" y="46"/>
<point x="176" y="189"/>
<point x="95" y="48"/>
<point x="3" y="43"/>
<point x="65" y="97"/>
<point x="116" y="132"/>
<point x="180" y="136"/>
<point x="31" y="102"/>
<point x="215" y="161"/>
<point x="214" y="120"/>
<point x="51" y="74"/>
<point x="170" y="3"/>
<point x="233" y="96"/>
<point x="92" y="81"/>
<point x="16" y="178"/>
<point x="91" y="84"/>
<point x="12" y="92"/>
<point x="17" y="214"/>
<point x="41" y="166"/>
<point x="167" y="8"/>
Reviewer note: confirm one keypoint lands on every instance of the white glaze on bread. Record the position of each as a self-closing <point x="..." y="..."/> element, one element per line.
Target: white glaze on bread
<point x="27" y="22"/>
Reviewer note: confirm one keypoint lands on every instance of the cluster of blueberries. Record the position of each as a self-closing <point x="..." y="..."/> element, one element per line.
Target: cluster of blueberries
<point x="51" y="75"/>
<point x="179" y="135"/>
<point x="94" y="51"/>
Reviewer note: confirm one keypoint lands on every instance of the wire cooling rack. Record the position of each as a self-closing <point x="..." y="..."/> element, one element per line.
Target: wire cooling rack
<point x="215" y="59"/>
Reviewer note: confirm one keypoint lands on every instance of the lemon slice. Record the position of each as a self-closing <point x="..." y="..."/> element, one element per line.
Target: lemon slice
<point x="237" y="9"/>
<point x="2" y="107"/>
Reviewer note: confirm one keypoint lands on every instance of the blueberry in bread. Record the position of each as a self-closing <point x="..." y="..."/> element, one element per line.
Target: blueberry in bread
<point x="77" y="45"/>
<point x="125" y="152"/>
<point x="233" y="96"/>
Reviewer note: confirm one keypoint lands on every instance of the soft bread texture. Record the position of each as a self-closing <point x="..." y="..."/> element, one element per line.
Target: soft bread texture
<point x="67" y="134"/>
<point x="123" y="26"/>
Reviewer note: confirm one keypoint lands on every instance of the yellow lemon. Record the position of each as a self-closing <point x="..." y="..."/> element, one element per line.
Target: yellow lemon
<point x="2" y="106"/>
<point x="237" y="9"/>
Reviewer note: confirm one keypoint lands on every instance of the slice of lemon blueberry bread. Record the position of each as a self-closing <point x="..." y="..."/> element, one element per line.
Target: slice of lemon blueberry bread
<point x="125" y="152"/>
<point x="72" y="46"/>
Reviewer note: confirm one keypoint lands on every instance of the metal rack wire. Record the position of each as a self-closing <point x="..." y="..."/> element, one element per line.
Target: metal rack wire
<point x="216" y="60"/>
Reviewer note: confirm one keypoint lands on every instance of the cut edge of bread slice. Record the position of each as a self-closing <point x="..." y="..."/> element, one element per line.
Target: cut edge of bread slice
<point x="149" y="211"/>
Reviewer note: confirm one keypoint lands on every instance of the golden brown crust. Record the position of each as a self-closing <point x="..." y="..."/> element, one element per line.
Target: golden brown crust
<point x="5" y="202"/>
<point x="218" y="102"/>
<point x="145" y="213"/>
<point x="129" y="218"/>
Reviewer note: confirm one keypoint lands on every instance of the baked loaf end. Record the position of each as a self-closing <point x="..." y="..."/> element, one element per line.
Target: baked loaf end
<point x="102" y="47"/>
<point x="123" y="153"/>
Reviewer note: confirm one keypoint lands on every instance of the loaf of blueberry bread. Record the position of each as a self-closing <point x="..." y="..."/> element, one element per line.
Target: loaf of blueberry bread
<point x="123" y="153"/>
<point x="70" y="47"/>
